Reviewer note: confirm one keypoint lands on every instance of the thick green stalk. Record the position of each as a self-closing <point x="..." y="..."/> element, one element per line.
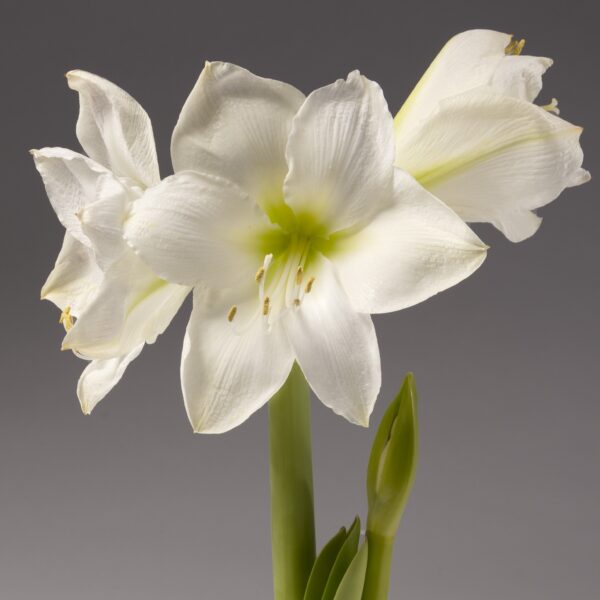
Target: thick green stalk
<point x="377" y="579"/>
<point x="292" y="511"/>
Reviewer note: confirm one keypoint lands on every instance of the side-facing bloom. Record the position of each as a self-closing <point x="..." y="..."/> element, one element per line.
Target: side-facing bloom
<point x="111" y="303"/>
<point x="470" y="133"/>
<point x="288" y="216"/>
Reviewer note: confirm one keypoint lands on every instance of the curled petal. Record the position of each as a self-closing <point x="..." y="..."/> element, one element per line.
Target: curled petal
<point x="114" y="129"/>
<point x="99" y="378"/>
<point x="72" y="182"/>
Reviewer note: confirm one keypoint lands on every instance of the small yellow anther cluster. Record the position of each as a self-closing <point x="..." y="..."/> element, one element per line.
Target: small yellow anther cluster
<point x="515" y="47"/>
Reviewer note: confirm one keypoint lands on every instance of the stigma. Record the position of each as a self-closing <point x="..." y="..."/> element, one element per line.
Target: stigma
<point x="552" y="107"/>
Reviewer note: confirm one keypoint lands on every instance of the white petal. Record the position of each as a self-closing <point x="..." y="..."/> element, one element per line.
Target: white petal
<point x="408" y="253"/>
<point x="132" y="306"/>
<point x="336" y="347"/>
<point x="75" y="277"/>
<point x="114" y="129"/>
<point x="228" y="373"/>
<point x="99" y="378"/>
<point x="469" y="60"/>
<point x="340" y="154"/>
<point x="197" y="228"/>
<point x="72" y="182"/>
<point x="520" y="76"/>
<point x="494" y="159"/>
<point x="235" y="124"/>
<point x="102" y="223"/>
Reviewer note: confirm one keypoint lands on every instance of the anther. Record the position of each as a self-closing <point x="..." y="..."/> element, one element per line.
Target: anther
<point x="259" y="274"/>
<point x="266" y="306"/>
<point x="66" y="320"/>
<point x="299" y="275"/>
<point x="309" y="285"/>
<point x="296" y="301"/>
<point x="231" y="313"/>
<point x="515" y="47"/>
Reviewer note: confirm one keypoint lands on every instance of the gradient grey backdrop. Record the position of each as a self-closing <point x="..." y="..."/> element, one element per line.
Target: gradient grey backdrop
<point x="128" y="504"/>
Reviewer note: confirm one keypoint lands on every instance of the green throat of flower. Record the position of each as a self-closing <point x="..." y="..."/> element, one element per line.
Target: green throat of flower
<point x="290" y="252"/>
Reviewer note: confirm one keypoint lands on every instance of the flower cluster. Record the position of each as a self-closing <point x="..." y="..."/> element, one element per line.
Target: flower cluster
<point x="293" y="219"/>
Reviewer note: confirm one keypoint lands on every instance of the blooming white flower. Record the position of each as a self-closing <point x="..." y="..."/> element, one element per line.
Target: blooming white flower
<point x="470" y="133"/>
<point x="288" y="216"/>
<point x="118" y="303"/>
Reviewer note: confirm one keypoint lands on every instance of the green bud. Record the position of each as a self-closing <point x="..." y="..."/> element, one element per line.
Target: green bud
<point x="392" y="463"/>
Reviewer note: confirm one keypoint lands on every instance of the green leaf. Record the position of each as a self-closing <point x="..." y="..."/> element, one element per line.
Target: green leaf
<point x="392" y="463"/>
<point x="351" y="586"/>
<point x="323" y="565"/>
<point x="342" y="562"/>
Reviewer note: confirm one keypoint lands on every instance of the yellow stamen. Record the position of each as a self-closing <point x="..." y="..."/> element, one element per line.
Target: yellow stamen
<point x="552" y="107"/>
<point x="66" y="320"/>
<point x="231" y="313"/>
<point x="515" y="47"/>
<point x="299" y="275"/>
<point x="266" y="306"/>
<point x="309" y="285"/>
<point x="259" y="274"/>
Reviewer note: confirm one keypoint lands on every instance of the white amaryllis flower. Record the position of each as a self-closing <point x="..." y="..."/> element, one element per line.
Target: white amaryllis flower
<point x="112" y="304"/>
<point x="288" y="216"/>
<point x="470" y="133"/>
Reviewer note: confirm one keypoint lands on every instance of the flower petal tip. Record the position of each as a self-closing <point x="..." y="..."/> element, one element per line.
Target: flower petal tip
<point x="582" y="176"/>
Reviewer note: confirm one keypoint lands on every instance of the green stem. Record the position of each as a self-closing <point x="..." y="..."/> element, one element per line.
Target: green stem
<point x="292" y="512"/>
<point x="377" y="580"/>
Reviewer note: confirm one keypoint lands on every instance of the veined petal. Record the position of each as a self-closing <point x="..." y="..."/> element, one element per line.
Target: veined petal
<point x="99" y="378"/>
<point x="336" y="347"/>
<point x="235" y="124"/>
<point x="520" y="76"/>
<point x="469" y="60"/>
<point x="494" y="159"/>
<point x="74" y="279"/>
<point x="114" y="129"/>
<point x="340" y="154"/>
<point x="72" y="182"/>
<point x="228" y="371"/>
<point x="132" y="306"/>
<point x="102" y="223"/>
<point x="195" y="228"/>
<point x="409" y="252"/>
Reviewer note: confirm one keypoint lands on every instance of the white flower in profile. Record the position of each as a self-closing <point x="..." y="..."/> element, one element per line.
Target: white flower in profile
<point x="288" y="216"/>
<point x="471" y="134"/>
<point x="111" y="303"/>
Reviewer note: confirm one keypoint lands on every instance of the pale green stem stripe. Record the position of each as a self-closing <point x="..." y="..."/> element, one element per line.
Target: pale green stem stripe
<point x="377" y="580"/>
<point x="292" y="511"/>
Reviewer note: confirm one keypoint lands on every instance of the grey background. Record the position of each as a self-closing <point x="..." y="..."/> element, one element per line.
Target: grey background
<point x="128" y="504"/>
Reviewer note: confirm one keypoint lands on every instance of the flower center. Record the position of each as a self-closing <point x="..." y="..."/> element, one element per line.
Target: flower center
<point x="282" y="281"/>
